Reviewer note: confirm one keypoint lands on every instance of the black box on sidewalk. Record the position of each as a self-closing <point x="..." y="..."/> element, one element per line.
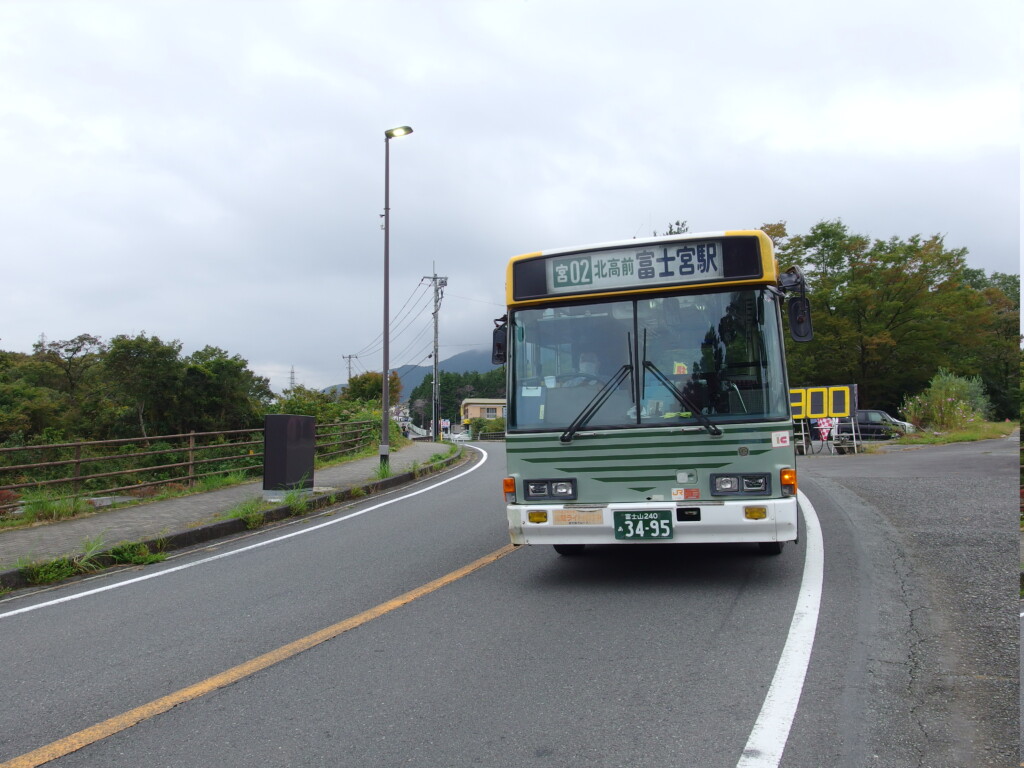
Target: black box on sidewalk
<point x="289" y="445"/>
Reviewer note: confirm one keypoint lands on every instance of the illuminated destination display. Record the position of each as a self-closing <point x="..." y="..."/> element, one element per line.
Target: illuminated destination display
<point x="632" y="268"/>
<point x="646" y="265"/>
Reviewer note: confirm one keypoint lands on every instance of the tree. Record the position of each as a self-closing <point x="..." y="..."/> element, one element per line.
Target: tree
<point x="992" y="353"/>
<point x="887" y="314"/>
<point x="366" y="387"/>
<point x="219" y="392"/>
<point x="147" y="372"/>
<point x="74" y="358"/>
<point x="453" y="388"/>
<point x="675" y="228"/>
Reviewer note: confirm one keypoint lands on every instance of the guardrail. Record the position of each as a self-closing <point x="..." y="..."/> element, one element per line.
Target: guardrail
<point x="106" y="467"/>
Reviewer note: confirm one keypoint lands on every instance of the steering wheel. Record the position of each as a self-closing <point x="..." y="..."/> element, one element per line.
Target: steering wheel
<point x="588" y="379"/>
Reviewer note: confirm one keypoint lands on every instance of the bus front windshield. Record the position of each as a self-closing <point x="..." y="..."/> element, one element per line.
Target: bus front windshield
<point x="688" y="359"/>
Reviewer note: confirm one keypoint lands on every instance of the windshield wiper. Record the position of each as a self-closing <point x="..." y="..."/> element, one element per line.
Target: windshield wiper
<point x="595" y="404"/>
<point x="661" y="377"/>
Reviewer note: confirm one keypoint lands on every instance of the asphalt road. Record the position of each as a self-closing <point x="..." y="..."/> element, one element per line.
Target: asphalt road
<point x="639" y="656"/>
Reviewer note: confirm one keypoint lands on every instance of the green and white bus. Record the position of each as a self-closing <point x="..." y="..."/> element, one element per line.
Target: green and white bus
<point x="647" y="393"/>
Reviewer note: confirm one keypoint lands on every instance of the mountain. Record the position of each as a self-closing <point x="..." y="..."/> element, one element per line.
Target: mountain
<point x="464" y="362"/>
<point x="412" y="375"/>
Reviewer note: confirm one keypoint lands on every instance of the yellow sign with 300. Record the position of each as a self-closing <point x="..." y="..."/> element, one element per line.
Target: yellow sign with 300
<point x="823" y="402"/>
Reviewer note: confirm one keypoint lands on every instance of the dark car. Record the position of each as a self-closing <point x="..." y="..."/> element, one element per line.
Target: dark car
<point x="874" y="425"/>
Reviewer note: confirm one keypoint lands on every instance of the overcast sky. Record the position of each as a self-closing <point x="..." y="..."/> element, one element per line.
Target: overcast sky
<point x="213" y="171"/>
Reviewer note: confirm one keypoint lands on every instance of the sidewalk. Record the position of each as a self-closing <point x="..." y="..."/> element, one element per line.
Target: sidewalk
<point x="186" y="520"/>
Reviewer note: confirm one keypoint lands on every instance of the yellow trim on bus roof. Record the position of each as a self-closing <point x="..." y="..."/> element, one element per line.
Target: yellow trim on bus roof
<point x="768" y="262"/>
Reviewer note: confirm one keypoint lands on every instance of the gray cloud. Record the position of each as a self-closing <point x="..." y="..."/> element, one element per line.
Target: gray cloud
<point x="213" y="172"/>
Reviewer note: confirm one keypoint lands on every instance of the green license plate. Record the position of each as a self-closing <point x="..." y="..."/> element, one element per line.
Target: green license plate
<point x="649" y="524"/>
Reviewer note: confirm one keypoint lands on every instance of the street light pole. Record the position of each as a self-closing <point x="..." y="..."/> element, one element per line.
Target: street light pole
<point x="385" y="394"/>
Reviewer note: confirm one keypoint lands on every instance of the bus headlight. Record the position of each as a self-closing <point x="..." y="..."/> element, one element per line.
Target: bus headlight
<point x="726" y="484"/>
<point x="563" y="488"/>
<point x="538" y="490"/>
<point x="752" y="484"/>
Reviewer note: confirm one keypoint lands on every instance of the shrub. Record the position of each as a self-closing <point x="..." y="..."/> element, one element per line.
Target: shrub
<point x="949" y="402"/>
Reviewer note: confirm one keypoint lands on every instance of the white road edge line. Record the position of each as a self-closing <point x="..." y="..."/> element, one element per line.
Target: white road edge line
<point x="240" y="550"/>
<point x="771" y="730"/>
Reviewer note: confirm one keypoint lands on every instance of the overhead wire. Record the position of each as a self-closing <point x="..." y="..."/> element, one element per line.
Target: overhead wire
<point x="378" y="341"/>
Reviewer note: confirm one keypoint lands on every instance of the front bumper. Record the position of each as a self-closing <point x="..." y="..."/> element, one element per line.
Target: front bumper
<point x="697" y="523"/>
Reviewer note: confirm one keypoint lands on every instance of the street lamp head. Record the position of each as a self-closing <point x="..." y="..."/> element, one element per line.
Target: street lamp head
<point x="401" y="130"/>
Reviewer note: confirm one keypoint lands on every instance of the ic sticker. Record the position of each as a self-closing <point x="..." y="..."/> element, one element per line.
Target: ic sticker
<point x="781" y="440"/>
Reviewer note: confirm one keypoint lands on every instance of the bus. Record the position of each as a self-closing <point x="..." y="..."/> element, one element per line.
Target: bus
<point x="647" y="393"/>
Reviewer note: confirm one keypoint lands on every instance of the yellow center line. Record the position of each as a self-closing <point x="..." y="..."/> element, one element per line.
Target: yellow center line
<point x="121" y="722"/>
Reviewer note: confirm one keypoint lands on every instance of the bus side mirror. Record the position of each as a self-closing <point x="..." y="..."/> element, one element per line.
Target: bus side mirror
<point x="499" y="345"/>
<point x="800" y="319"/>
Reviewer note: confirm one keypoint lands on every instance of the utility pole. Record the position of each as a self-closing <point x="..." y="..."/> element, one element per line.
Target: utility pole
<point x="349" y="358"/>
<point x="439" y="284"/>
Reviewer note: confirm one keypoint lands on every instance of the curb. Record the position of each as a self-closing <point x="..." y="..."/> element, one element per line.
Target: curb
<point x="14" y="579"/>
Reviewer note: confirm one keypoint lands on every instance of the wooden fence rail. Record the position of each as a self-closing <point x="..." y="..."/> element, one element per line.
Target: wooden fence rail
<point x="68" y="470"/>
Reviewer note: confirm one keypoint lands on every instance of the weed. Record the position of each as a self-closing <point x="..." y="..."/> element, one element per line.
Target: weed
<point x="49" y="571"/>
<point x="250" y="511"/>
<point x="297" y="501"/>
<point x="213" y="482"/>
<point x="383" y="471"/>
<point x="970" y="432"/>
<point x="91" y="547"/>
<point x="135" y="553"/>
<point x="43" y="506"/>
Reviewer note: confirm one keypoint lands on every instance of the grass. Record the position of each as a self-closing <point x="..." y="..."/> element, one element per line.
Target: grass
<point x="135" y="553"/>
<point x="92" y="558"/>
<point x="48" y="571"/>
<point x="41" y="506"/>
<point x="91" y="548"/>
<point x="250" y="511"/>
<point x="979" y="430"/>
<point x="297" y="501"/>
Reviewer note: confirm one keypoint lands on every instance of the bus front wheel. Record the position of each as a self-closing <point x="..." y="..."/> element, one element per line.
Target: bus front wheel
<point x="569" y="549"/>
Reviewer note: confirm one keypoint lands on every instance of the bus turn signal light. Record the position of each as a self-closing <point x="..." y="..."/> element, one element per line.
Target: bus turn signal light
<point x="509" y="486"/>
<point x="787" y="478"/>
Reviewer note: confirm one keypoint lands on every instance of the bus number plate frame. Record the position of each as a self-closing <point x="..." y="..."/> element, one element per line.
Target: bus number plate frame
<point x="650" y="524"/>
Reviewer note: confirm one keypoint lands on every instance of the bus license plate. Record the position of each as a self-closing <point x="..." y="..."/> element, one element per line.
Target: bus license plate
<point x="649" y="524"/>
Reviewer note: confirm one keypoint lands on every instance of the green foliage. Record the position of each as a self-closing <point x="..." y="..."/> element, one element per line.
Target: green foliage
<point x="218" y="392"/>
<point x="675" y="228"/>
<point x="130" y="387"/>
<point x="297" y="501"/>
<point x="91" y="548"/>
<point x="480" y="424"/>
<point x="889" y="313"/>
<point x="367" y="387"/>
<point x="43" y="505"/>
<point x="49" y="571"/>
<point x="135" y="553"/>
<point x="949" y="402"/>
<point x="250" y="511"/>
<point x="453" y="389"/>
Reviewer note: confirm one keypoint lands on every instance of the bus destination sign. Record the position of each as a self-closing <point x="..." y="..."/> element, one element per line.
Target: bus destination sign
<point x="654" y="266"/>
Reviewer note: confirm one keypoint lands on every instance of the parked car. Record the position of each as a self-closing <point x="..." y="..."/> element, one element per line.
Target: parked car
<point x="873" y="424"/>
